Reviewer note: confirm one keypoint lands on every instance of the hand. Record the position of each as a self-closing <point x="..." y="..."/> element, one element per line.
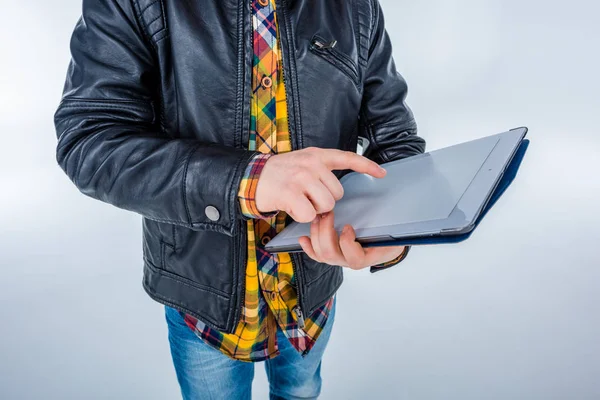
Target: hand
<point x="325" y="246"/>
<point x="301" y="183"/>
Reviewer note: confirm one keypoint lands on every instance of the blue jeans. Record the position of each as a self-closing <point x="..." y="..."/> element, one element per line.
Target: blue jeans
<point x="203" y="372"/>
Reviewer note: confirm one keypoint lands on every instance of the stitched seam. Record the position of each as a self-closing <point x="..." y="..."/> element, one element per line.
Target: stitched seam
<point x="173" y="227"/>
<point x="184" y="188"/>
<point x="151" y="21"/>
<point x="164" y="26"/>
<point x="294" y="82"/>
<point x="164" y="17"/>
<point x="84" y="99"/>
<point x="342" y="55"/>
<point x="174" y="73"/>
<point x="374" y="18"/>
<point x="92" y="107"/>
<point x="238" y="124"/>
<point x="92" y="104"/>
<point x="180" y="279"/>
<point x="342" y="68"/>
<point x="233" y="193"/>
<point x="395" y="124"/>
<point x="148" y="6"/>
<point x="371" y="136"/>
<point x="233" y="280"/>
<point x="241" y="73"/>
<point x="326" y="271"/>
<point x="326" y="299"/>
<point x="356" y="26"/>
<point x="176" y="304"/>
<point x="162" y="37"/>
<point x="141" y="23"/>
<point x="363" y="36"/>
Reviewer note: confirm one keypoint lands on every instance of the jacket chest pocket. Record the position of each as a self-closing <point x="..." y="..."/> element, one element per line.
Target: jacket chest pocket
<point x="328" y="51"/>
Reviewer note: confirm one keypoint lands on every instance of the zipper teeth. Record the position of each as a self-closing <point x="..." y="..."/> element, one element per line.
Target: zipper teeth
<point x="299" y="305"/>
<point x="298" y="285"/>
<point x="243" y="302"/>
<point x="283" y="39"/>
<point x="238" y="316"/>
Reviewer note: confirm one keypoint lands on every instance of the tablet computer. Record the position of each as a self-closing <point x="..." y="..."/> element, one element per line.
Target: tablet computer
<point x="434" y="197"/>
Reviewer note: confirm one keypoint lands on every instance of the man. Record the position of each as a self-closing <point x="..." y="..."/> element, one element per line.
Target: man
<point x="220" y="122"/>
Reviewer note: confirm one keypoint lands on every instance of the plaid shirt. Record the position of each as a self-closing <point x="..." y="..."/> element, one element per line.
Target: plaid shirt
<point x="270" y="298"/>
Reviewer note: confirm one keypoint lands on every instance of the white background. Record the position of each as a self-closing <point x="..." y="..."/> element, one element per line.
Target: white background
<point x="512" y="313"/>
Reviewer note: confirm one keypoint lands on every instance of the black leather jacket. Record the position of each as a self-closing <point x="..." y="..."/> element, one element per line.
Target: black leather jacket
<point x="155" y="114"/>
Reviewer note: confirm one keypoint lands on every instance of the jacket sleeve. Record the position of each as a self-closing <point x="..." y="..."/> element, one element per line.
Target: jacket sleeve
<point x="109" y="141"/>
<point x="385" y="118"/>
<point x="391" y="263"/>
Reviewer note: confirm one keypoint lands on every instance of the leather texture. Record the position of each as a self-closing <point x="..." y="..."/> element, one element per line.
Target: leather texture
<point x="154" y="119"/>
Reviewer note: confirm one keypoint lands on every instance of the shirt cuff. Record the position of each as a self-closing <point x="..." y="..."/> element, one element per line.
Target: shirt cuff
<point x="247" y="189"/>
<point x="391" y="263"/>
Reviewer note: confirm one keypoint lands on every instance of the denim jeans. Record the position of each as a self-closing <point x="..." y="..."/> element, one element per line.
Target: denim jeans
<point x="203" y="372"/>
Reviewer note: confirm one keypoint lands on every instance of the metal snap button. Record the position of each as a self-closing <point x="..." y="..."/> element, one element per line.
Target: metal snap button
<point x="212" y="213"/>
<point x="263" y="3"/>
<point x="265" y="240"/>
<point x="266" y="82"/>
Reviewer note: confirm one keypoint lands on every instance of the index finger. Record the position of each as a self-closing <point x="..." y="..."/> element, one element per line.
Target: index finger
<point x="340" y="159"/>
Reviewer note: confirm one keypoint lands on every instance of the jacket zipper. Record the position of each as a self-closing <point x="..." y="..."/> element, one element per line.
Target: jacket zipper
<point x="297" y="309"/>
<point x="327" y="51"/>
<point x="283" y="40"/>
<point x="240" y="305"/>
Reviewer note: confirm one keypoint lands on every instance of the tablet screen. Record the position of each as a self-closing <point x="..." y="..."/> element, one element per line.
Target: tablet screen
<point x="421" y="188"/>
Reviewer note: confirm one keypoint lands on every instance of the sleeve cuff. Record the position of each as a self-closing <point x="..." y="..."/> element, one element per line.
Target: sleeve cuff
<point x="391" y="263"/>
<point x="247" y="189"/>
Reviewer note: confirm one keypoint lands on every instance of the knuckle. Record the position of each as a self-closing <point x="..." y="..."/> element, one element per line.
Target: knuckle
<point x="322" y="209"/>
<point x="328" y="254"/>
<point x="356" y="262"/>
<point x="303" y="175"/>
<point x="308" y="217"/>
<point x="352" y="265"/>
<point x="292" y="191"/>
<point x="329" y="204"/>
<point x="304" y="216"/>
<point x="355" y="266"/>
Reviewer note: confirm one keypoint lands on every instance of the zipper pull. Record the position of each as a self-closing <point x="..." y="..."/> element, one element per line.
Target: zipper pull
<point x="324" y="46"/>
<point x="299" y="315"/>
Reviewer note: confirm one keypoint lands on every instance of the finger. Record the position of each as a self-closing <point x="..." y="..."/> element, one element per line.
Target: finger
<point x="320" y="197"/>
<point x="340" y="159"/>
<point x="300" y="208"/>
<point x="352" y="250"/>
<point x="332" y="183"/>
<point x="314" y="236"/>
<point x="377" y="255"/>
<point x="306" y="245"/>
<point x="329" y="242"/>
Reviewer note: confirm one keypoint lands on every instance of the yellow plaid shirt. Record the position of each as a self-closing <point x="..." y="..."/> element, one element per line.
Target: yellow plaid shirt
<point x="270" y="298"/>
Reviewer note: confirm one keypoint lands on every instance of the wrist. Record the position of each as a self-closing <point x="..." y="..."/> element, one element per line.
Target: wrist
<point x="248" y="188"/>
